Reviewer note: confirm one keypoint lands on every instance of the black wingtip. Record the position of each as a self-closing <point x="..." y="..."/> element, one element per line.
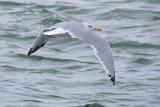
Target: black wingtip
<point x="113" y="80"/>
<point x="33" y="50"/>
<point x="109" y="75"/>
<point x="113" y="83"/>
<point x="29" y="52"/>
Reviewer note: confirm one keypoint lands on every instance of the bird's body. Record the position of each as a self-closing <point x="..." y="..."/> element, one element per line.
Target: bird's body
<point x="84" y="32"/>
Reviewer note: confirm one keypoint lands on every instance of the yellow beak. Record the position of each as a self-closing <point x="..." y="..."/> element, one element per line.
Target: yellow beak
<point x="97" y="29"/>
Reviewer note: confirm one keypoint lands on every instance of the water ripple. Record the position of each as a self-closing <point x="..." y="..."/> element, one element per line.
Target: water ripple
<point x="65" y="73"/>
<point x="11" y="3"/>
<point x="124" y="14"/>
<point x="143" y="61"/>
<point x="134" y="44"/>
<point x="38" y="58"/>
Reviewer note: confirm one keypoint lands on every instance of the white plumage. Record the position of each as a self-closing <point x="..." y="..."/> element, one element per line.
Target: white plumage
<point x="84" y="32"/>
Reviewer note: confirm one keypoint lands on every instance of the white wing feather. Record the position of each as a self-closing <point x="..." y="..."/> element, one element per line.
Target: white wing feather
<point x="55" y="31"/>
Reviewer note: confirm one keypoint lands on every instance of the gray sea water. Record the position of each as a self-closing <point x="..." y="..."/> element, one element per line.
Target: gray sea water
<point x="65" y="73"/>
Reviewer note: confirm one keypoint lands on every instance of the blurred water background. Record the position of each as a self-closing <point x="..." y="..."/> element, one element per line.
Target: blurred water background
<point x="65" y="73"/>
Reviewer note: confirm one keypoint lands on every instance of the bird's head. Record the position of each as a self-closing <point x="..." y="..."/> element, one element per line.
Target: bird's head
<point x="93" y="27"/>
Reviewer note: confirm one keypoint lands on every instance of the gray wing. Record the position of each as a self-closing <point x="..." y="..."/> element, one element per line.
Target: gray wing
<point x="102" y="47"/>
<point x="106" y="59"/>
<point x="102" y="50"/>
<point x="39" y="42"/>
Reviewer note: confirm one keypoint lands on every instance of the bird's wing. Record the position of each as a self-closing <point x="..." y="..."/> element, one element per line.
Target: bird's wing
<point x="102" y="50"/>
<point x="106" y="59"/>
<point x="39" y="42"/>
<point x="99" y="44"/>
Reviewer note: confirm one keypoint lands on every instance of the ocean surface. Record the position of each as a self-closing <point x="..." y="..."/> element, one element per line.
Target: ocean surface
<point x="65" y="72"/>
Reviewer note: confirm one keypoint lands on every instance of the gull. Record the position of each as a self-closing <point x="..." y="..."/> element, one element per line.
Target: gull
<point x="85" y="32"/>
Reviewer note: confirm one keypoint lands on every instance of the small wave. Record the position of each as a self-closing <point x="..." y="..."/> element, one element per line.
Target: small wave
<point x="134" y="44"/>
<point x="35" y="57"/>
<point x="144" y="1"/>
<point x="143" y="61"/>
<point x="142" y="54"/>
<point x="42" y="9"/>
<point x="33" y="101"/>
<point x="125" y="14"/>
<point x="10" y="3"/>
<point x="40" y="6"/>
<point x="93" y="105"/>
<point x="12" y="68"/>
<point x="156" y="18"/>
<point x="50" y="71"/>
<point x="152" y="1"/>
<point x="79" y="11"/>
<point x="55" y="96"/>
<point x="10" y="35"/>
<point x="51" y="21"/>
<point x="16" y="36"/>
<point x="73" y="67"/>
<point x="62" y="7"/>
<point x="57" y="50"/>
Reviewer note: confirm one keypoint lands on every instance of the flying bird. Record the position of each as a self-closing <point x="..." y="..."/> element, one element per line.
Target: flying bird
<point x="85" y="32"/>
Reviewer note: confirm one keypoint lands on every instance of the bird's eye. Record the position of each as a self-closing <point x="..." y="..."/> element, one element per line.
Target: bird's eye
<point x="90" y="25"/>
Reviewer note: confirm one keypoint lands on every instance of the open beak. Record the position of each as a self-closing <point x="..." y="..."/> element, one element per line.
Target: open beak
<point x="40" y="41"/>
